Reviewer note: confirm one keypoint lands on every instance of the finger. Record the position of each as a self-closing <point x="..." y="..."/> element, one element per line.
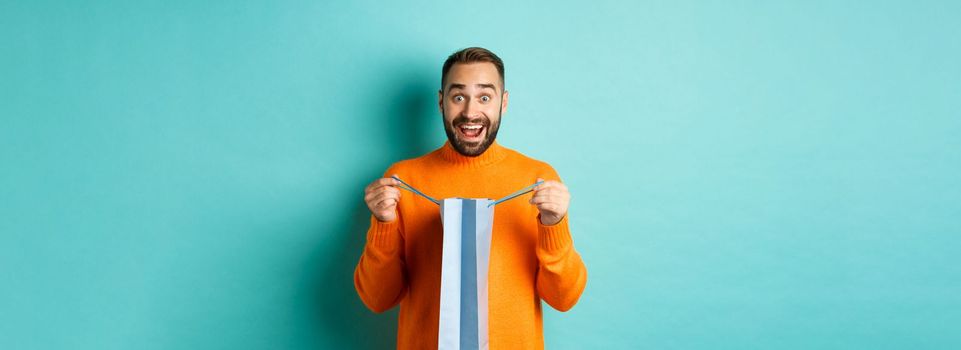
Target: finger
<point x="549" y="190"/>
<point x="386" y="203"/>
<point x="373" y="194"/>
<point x="547" y="184"/>
<point x="385" y="195"/>
<point x="373" y="184"/>
<point x="556" y="193"/>
<point x="541" y="186"/>
<point x="548" y="207"/>
<point x="553" y="192"/>
<point x="542" y="199"/>
<point x="392" y="193"/>
<point x="554" y="201"/>
<point x="385" y="181"/>
<point x="385" y="207"/>
<point x="376" y="199"/>
<point x="378" y="188"/>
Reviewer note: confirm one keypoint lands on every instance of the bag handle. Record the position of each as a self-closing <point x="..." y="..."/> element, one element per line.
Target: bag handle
<point x="521" y="192"/>
<point x="405" y="186"/>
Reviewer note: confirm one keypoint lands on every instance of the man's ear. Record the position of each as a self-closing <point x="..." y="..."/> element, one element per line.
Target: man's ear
<point x="504" y="99"/>
<point x="440" y="102"/>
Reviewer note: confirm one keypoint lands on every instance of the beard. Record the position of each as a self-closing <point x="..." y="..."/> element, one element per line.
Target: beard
<point x="471" y="149"/>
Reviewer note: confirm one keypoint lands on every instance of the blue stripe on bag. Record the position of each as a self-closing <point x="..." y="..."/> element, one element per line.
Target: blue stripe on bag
<point x="468" y="279"/>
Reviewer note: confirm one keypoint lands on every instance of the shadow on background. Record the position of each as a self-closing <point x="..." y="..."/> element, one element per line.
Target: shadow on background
<point x="407" y="120"/>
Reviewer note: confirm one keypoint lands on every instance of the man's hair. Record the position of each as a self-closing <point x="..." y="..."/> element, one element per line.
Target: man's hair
<point x="472" y="55"/>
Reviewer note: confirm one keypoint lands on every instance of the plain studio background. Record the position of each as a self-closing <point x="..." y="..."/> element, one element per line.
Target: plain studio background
<point x="745" y="175"/>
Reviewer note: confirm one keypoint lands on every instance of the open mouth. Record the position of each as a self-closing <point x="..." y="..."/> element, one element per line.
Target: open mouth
<point x="471" y="132"/>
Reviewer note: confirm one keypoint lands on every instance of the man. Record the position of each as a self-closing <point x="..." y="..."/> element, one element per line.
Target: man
<point x="532" y="255"/>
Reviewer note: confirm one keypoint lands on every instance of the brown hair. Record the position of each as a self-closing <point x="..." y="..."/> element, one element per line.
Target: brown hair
<point x="472" y="55"/>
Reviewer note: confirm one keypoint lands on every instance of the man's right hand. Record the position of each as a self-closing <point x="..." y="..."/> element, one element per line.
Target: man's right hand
<point x="381" y="197"/>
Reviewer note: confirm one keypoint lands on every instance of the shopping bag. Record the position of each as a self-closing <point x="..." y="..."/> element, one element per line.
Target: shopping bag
<point x="467" y="224"/>
<point x="464" y="262"/>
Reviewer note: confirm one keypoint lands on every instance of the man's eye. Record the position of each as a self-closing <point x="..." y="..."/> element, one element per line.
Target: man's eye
<point x="485" y="98"/>
<point x="458" y="98"/>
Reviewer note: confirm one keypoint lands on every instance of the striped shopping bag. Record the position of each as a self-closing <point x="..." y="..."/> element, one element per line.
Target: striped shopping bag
<point x="467" y="226"/>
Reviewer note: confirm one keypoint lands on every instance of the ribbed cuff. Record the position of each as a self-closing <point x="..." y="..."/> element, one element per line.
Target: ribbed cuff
<point x="554" y="238"/>
<point x="383" y="234"/>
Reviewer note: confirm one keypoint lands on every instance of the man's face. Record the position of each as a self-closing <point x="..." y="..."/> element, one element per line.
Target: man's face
<point x="472" y="102"/>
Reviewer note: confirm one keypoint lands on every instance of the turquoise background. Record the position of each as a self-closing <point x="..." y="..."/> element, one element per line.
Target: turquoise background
<point x="745" y="175"/>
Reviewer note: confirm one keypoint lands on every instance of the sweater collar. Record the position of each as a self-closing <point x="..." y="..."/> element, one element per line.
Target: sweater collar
<point x="493" y="154"/>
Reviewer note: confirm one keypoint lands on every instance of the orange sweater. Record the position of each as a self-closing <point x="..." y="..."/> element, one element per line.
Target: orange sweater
<point x="401" y="262"/>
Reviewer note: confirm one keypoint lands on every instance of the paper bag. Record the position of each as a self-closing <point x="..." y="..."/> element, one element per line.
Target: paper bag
<point x="464" y="265"/>
<point x="466" y="255"/>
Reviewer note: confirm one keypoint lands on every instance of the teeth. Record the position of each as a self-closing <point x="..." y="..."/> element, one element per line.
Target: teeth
<point x="471" y="126"/>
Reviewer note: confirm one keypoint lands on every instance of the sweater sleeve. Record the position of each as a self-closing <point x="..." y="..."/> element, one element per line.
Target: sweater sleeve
<point x="561" y="274"/>
<point x="379" y="277"/>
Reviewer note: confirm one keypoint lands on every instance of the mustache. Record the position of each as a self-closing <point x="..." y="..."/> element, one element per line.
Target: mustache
<point x="486" y="122"/>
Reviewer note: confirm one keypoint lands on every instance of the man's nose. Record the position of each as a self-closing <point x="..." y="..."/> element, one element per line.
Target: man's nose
<point x="471" y="109"/>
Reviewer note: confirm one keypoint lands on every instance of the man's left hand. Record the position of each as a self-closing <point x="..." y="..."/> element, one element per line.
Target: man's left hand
<point x="552" y="200"/>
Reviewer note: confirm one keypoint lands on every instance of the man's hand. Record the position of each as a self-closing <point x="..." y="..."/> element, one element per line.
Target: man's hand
<point x="552" y="200"/>
<point x="381" y="197"/>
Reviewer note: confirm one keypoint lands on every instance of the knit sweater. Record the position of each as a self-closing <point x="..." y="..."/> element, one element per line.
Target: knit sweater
<point x="529" y="261"/>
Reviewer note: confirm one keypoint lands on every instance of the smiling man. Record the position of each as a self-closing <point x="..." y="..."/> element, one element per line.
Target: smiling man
<point x="532" y="256"/>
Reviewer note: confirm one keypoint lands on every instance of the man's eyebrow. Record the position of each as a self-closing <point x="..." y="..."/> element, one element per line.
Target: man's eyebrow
<point x="491" y="86"/>
<point x="462" y="86"/>
<point x="455" y="86"/>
